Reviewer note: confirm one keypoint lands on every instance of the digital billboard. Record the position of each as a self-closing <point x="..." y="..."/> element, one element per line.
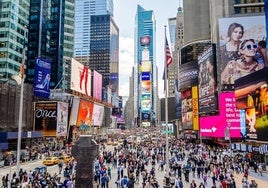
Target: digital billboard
<point x="239" y="39"/>
<point x="146" y="87"/>
<point x="207" y="80"/>
<point x="145" y="76"/>
<point x="42" y="78"/>
<point x="80" y="78"/>
<point x="146" y="66"/>
<point x="188" y="75"/>
<point x="177" y="101"/>
<point x="98" y="115"/>
<point x="45" y="117"/>
<point x="145" y="102"/>
<point x="74" y="112"/>
<point x="251" y="94"/>
<point x="215" y="126"/>
<point x="145" y="40"/>
<point x="187" y="109"/>
<point x="97" y="85"/>
<point x="85" y="113"/>
<point x="62" y="118"/>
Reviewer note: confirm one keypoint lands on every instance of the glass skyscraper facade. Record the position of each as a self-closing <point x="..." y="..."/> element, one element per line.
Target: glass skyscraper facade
<point x="83" y="10"/>
<point x="104" y="49"/>
<point x="51" y="36"/>
<point x="14" y="25"/>
<point x="145" y="27"/>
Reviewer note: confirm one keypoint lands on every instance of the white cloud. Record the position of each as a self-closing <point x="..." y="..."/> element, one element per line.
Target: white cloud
<point x="126" y="62"/>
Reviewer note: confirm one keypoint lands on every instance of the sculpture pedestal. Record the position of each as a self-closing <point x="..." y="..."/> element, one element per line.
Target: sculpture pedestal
<point x="85" y="152"/>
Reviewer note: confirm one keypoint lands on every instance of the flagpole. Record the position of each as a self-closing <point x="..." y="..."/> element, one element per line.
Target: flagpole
<point x="166" y="114"/>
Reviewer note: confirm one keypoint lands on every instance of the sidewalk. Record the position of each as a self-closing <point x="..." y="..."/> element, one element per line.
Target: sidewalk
<point x="262" y="181"/>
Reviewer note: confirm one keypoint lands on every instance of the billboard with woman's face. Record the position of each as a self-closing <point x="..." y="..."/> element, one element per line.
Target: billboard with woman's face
<point x="239" y="41"/>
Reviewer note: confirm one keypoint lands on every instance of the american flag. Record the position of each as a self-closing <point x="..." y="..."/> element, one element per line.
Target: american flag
<point x="168" y="54"/>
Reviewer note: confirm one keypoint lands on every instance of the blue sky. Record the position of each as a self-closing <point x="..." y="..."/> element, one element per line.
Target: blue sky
<point x="124" y="16"/>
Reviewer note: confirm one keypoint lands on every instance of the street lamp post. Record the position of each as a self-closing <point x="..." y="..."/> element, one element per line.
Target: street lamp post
<point x="20" y="114"/>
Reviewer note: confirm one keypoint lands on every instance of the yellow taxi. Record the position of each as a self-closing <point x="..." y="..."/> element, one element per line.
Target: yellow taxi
<point x="65" y="158"/>
<point x="51" y="161"/>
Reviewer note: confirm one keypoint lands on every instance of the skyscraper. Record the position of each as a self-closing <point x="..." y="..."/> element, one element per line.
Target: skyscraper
<point x="83" y="10"/>
<point x="14" y="25"/>
<point x="145" y="76"/>
<point x="104" y="49"/>
<point x="51" y="33"/>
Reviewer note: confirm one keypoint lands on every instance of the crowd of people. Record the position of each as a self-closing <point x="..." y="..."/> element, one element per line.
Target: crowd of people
<point x="138" y="164"/>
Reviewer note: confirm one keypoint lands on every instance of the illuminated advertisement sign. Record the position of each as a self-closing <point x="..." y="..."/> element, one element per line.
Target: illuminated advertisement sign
<point x="145" y="76"/>
<point x="195" y="108"/>
<point x="45" y="118"/>
<point x="207" y="80"/>
<point x="242" y="34"/>
<point x="146" y="87"/>
<point x="230" y="116"/>
<point x="146" y="66"/>
<point x="145" y="40"/>
<point x="187" y="109"/>
<point x="188" y="75"/>
<point x="145" y="102"/>
<point x="85" y="113"/>
<point x="251" y="94"/>
<point x="98" y="114"/>
<point x="80" y="78"/>
<point x="42" y="78"/>
<point x="62" y="110"/>
<point x="145" y="116"/>
<point x="177" y="101"/>
<point x="97" y="85"/>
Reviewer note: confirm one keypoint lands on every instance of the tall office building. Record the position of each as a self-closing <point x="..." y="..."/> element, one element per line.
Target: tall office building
<point x="83" y="10"/>
<point x="104" y="50"/>
<point x="145" y="76"/>
<point x="51" y="34"/>
<point x="14" y="25"/>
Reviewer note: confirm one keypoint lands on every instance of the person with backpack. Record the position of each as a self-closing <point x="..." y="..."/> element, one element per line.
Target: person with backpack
<point x="124" y="182"/>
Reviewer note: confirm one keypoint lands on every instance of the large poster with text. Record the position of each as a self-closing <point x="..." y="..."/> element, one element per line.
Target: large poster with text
<point x="45" y="118"/>
<point x="230" y="116"/>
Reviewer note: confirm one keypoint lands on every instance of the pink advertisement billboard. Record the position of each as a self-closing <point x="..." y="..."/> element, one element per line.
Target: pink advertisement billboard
<point x="97" y="85"/>
<point x="215" y="126"/>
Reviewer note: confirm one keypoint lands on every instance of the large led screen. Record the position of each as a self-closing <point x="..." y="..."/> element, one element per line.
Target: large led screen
<point x="98" y="114"/>
<point x="45" y="118"/>
<point x="146" y="87"/>
<point x="145" y="102"/>
<point x="251" y="93"/>
<point x="146" y="66"/>
<point x="62" y="110"/>
<point x="85" y="113"/>
<point x="42" y="78"/>
<point x="187" y="109"/>
<point x="207" y="80"/>
<point x="80" y="78"/>
<point x="239" y="39"/>
<point x="188" y="75"/>
<point x="215" y="126"/>
<point x="97" y="85"/>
